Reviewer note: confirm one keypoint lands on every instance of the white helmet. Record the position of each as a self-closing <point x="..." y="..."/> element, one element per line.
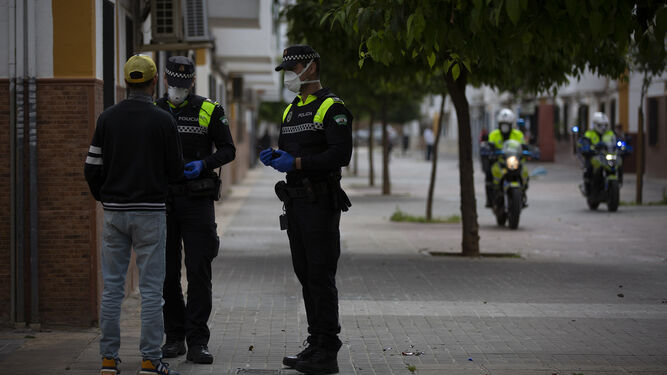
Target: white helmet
<point x="506" y="116"/>
<point x="600" y="122"/>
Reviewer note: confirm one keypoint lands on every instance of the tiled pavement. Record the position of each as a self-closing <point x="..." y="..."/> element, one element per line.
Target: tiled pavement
<point x="570" y="305"/>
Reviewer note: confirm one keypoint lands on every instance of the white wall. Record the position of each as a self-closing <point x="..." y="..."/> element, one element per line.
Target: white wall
<point x="98" y="40"/>
<point x="43" y="40"/>
<point x="4" y="38"/>
<point x="201" y="76"/>
<point x="658" y="87"/>
<point x="44" y="18"/>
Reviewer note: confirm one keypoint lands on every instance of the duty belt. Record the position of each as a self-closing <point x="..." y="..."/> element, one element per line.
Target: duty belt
<point x="303" y="192"/>
<point x="177" y="190"/>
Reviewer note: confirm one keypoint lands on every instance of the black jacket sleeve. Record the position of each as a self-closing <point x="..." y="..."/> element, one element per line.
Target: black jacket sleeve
<point x="218" y="131"/>
<point x="338" y="131"/>
<point x="173" y="153"/>
<point x="93" y="169"/>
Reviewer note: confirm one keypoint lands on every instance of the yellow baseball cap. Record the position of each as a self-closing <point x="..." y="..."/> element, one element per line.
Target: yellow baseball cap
<point x="139" y="69"/>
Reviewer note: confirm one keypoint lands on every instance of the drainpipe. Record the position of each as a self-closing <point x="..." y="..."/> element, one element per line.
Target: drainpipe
<point x="20" y="205"/>
<point x="12" y="160"/>
<point x="30" y="42"/>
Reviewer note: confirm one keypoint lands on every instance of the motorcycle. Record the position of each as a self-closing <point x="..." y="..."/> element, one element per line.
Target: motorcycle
<point x="509" y="190"/>
<point x="607" y="177"/>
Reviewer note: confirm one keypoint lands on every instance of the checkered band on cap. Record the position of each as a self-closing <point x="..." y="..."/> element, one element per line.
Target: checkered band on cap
<point x="302" y="57"/>
<point x="179" y="75"/>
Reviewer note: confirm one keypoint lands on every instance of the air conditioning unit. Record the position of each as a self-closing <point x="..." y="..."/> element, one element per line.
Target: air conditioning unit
<point x="166" y="21"/>
<point x="196" y="21"/>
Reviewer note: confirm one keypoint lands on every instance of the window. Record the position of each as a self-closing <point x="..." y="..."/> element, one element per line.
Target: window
<point x="652" y="121"/>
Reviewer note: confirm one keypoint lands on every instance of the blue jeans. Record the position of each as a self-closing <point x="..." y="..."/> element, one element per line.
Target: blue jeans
<point x="145" y="232"/>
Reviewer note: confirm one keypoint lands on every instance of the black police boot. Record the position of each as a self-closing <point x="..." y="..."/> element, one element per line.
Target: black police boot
<point x="320" y="362"/>
<point x="173" y="348"/>
<point x="291" y="360"/>
<point x="199" y="354"/>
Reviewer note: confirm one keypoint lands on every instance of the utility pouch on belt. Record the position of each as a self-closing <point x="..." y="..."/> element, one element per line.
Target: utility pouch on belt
<point x="281" y="192"/>
<point x="204" y="187"/>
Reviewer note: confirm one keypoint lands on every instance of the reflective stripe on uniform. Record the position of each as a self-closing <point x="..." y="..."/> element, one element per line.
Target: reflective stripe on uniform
<point x="318" y="119"/>
<point x="324" y="107"/>
<point x="302" y="128"/>
<point x="193" y="129"/>
<point x="205" y="112"/>
<point x="286" y="111"/>
<point x="95" y="150"/>
<point x="496" y="137"/>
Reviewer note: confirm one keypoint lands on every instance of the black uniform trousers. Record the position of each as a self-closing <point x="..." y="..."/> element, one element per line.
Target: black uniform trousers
<point x="192" y="221"/>
<point x="314" y="237"/>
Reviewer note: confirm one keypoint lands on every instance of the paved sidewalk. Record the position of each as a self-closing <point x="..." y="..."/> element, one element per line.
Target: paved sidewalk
<point x="588" y="296"/>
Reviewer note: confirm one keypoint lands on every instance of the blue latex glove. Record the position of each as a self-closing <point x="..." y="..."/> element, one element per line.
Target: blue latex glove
<point x="193" y="169"/>
<point x="284" y="162"/>
<point x="265" y="156"/>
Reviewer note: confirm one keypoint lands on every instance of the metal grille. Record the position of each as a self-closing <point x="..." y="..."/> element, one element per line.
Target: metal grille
<point x="196" y="20"/>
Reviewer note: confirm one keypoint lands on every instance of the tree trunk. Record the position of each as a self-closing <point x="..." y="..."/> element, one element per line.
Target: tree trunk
<point x="640" y="155"/>
<point x="355" y="144"/>
<point x="470" y="241"/>
<point x="640" y="140"/>
<point x="371" y="171"/>
<point x="386" y="186"/>
<point x="434" y="163"/>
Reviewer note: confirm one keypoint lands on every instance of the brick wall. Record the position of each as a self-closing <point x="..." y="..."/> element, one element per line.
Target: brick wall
<point x="68" y="215"/>
<point x="4" y="203"/>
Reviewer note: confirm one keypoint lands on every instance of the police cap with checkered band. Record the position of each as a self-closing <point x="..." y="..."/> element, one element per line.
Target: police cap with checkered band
<point x="295" y="54"/>
<point x="180" y="71"/>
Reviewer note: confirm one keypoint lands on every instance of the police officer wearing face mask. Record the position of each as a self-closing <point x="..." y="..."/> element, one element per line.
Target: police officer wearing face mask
<point x="506" y="119"/>
<point x="315" y="142"/>
<point x="207" y="145"/>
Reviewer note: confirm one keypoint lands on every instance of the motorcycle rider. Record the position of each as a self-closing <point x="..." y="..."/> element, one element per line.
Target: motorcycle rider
<point x="594" y="138"/>
<point x="506" y="131"/>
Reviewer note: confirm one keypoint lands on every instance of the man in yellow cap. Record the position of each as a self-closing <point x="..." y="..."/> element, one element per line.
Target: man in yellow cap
<point x="134" y="154"/>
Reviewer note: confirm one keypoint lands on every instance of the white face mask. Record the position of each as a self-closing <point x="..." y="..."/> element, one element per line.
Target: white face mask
<point x="293" y="81"/>
<point x="504" y="128"/>
<point x="177" y="94"/>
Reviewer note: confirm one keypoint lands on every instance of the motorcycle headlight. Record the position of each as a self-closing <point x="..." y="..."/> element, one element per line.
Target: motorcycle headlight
<point x="610" y="157"/>
<point x="512" y="163"/>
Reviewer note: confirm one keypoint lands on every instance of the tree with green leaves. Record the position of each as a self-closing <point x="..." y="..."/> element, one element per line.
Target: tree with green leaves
<point x="507" y="44"/>
<point x="648" y="57"/>
<point x="375" y="90"/>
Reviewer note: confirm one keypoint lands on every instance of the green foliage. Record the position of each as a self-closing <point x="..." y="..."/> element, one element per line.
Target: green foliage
<point x="364" y="84"/>
<point x="511" y="44"/>
<point x="412" y="368"/>
<point x="403" y="112"/>
<point x="400" y="216"/>
<point x="648" y="51"/>
<point x="271" y="111"/>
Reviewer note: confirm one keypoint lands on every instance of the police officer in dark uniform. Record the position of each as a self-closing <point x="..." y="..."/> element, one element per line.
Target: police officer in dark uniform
<point x="191" y="218"/>
<point x="315" y="142"/>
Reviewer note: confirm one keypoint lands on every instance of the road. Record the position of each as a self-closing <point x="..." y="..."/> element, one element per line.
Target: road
<point x="587" y="295"/>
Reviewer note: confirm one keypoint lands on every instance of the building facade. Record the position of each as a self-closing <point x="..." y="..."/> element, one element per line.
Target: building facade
<point x="61" y="65"/>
